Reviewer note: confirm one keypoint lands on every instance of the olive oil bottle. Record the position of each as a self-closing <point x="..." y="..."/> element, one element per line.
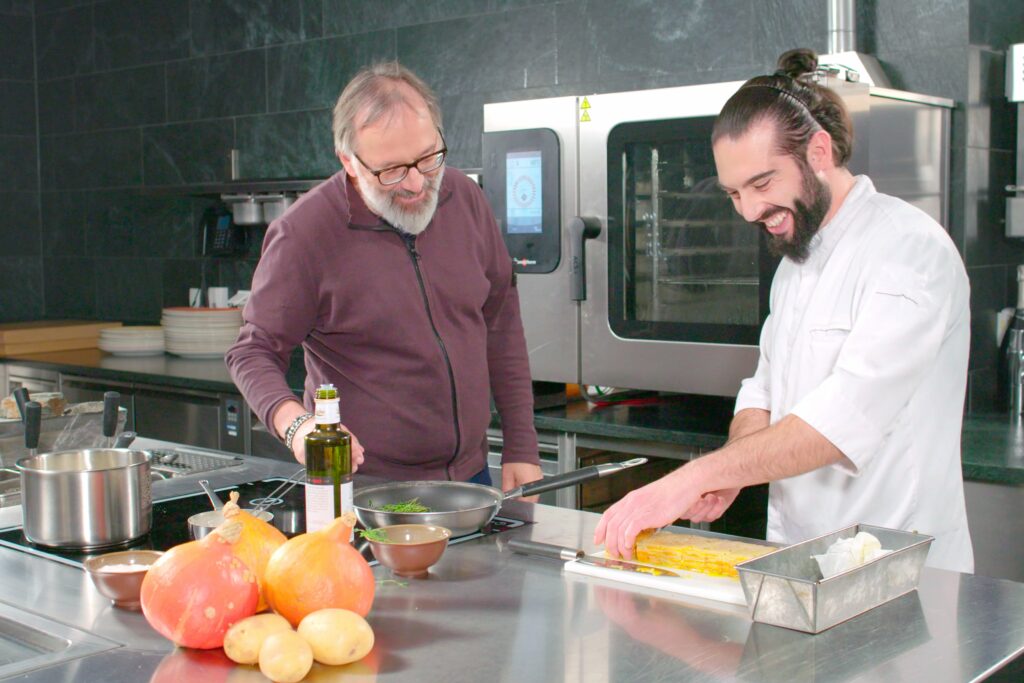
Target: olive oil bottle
<point x="328" y="463"/>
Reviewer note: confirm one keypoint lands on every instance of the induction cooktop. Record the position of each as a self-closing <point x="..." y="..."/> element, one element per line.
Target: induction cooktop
<point x="170" y="522"/>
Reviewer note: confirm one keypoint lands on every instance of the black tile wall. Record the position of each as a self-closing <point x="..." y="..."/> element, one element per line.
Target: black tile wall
<point x="69" y="285"/>
<point x="311" y="75"/>
<point x="184" y="153"/>
<point x="346" y="17"/>
<point x="65" y="42"/>
<point x="56" y="106"/>
<point x="20" y="235"/>
<point x="18" y="113"/>
<point x="117" y="99"/>
<point x="103" y="100"/>
<point x="128" y="289"/>
<point x="16" y="7"/>
<point x="292" y="144"/>
<point x="230" y="25"/>
<point x="475" y="55"/>
<point x="65" y="222"/>
<point x="921" y="24"/>
<point x="92" y="160"/>
<point x="16" y="47"/>
<point x="620" y="43"/>
<point x="216" y="87"/>
<point x="18" y="162"/>
<point x="996" y="25"/>
<point x="21" y="288"/>
<point x="19" y="224"/>
<point x="134" y="32"/>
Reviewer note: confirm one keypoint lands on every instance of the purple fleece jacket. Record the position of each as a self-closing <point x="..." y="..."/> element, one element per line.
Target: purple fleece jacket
<point x="416" y="333"/>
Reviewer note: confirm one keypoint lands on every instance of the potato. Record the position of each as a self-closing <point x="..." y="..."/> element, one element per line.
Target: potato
<point x="285" y="657"/>
<point x="243" y="640"/>
<point x="337" y="636"/>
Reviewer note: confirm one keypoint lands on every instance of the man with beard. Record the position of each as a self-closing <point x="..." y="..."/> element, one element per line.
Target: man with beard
<point x="394" y="278"/>
<point x="854" y="412"/>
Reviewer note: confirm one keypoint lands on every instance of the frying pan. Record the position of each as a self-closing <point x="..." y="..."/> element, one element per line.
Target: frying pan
<point x="461" y="506"/>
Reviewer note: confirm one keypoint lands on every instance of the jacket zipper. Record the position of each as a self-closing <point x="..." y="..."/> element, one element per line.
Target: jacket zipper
<point x="410" y="244"/>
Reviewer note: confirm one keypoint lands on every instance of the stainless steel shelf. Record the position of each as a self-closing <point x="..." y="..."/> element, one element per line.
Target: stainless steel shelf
<point x="243" y="186"/>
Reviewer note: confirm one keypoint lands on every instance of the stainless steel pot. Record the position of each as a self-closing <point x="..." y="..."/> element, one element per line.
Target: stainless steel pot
<point x="461" y="506"/>
<point x="86" y="499"/>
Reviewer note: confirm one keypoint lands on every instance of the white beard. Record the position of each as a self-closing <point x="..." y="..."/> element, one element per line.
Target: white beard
<point x="382" y="202"/>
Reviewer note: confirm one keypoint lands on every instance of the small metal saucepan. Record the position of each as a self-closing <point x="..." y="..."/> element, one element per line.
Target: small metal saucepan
<point x="461" y="506"/>
<point x="86" y="499"/>
<point x="202" y="523"/>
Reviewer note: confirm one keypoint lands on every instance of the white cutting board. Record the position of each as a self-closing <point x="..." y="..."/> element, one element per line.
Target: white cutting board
<point x="717" y="588"/>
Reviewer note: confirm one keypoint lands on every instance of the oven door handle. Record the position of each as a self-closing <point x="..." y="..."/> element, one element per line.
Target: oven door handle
<point x="581" y="229"/>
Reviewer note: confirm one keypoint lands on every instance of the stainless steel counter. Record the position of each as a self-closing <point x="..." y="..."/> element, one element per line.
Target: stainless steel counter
<point x="485" y="613"/>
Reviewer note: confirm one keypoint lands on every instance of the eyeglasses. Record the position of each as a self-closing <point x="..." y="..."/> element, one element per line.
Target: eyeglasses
<point x="392" y="175"/>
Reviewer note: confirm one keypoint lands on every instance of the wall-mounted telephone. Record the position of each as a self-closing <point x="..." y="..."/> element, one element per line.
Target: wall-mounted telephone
<point x="221" y="237"/>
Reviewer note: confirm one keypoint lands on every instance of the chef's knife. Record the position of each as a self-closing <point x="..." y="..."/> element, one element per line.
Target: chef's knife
<point x="558" y="552"/>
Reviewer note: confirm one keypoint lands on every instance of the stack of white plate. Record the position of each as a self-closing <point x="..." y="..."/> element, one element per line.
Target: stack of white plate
<point x="139" y="340"/>
<point x="201" y="332"/>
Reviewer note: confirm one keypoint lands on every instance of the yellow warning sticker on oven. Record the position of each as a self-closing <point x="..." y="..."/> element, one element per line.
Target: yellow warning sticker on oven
<point x="584" y="110"/>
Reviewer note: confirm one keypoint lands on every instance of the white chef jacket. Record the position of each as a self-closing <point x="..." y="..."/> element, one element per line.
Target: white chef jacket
<point x="867" y="341"/>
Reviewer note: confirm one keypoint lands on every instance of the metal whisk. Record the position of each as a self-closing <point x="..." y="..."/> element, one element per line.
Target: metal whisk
<point x="276" y="497"/>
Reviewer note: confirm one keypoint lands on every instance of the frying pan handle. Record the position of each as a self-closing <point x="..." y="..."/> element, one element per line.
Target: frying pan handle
<point x="579" y="476"/>
<point x="549" y="550"/>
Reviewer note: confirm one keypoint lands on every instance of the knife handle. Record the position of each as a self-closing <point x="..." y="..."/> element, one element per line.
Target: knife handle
<point x="555" y="552"/>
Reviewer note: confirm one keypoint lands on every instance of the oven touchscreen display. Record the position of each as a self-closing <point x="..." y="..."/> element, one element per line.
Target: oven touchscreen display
<point x="523" y="192"/>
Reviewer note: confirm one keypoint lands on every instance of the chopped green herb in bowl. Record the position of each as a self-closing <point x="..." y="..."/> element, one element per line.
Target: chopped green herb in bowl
<point x="374" y="535"/>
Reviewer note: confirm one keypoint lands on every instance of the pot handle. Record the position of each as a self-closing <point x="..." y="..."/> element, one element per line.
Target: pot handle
<point x="33" y="424"/>
<point x="579" y="476"/>
<point x="21" y="398"/>
<point x="111" y="401"/>
<point x="124" y="439"/>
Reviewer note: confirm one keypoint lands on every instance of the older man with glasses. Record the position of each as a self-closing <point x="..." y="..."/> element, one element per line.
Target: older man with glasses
<point x="394" y="278"/>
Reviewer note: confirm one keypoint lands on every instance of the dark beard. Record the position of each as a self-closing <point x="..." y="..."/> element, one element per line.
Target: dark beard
<point x="808" y="214"/>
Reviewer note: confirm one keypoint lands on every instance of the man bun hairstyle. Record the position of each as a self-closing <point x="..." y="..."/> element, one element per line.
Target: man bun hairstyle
<point x="376" y="91"/>
<point x="797" y="105"/>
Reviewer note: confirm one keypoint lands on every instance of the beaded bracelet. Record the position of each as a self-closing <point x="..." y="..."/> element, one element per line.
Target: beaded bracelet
<point x="289" y="435"/>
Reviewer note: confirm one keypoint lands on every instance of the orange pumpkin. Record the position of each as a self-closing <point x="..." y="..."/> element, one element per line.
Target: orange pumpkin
<point x="196" y="591"/>
<point x="317" y="570"/>
<point x="258" y="542"/>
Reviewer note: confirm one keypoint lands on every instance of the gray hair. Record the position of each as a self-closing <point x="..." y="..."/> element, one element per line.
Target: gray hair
<point x="376" y="91"/>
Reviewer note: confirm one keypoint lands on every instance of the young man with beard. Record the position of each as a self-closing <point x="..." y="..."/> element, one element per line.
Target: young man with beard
<point x="394" y="278"/>
<point x="854" y="412"/>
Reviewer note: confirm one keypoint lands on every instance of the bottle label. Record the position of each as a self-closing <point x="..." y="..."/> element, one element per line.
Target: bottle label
<point x="319" y="505"/>
<point x="347" y="503"/>
<point x="328" y="412"/>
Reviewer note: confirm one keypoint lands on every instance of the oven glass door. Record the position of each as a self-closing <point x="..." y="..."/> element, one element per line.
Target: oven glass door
<point x="682" y="264"/>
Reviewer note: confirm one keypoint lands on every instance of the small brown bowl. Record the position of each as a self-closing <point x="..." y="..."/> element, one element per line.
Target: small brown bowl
<point x="411" y="549"/>
<point x="119" y="575"/>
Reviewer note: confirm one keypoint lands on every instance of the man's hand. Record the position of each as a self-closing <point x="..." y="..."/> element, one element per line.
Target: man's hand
<point x="299" y="444"/>
<point x="287" y="412"/>
<point x="711" y="505"/>
<point x="515" y="474"/>
<point x="650" y="507"/>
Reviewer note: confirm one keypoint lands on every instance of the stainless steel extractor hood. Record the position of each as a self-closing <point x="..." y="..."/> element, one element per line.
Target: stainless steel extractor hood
<point x="842" y="46"/>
